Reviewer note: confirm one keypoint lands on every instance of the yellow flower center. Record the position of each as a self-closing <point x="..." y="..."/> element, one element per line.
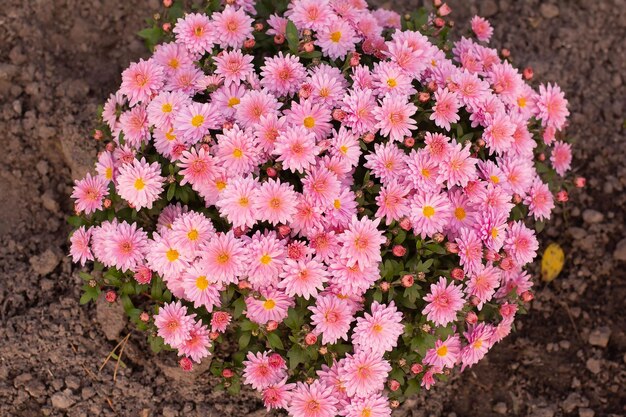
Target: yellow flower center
<point x="237" y="153"/>
<point x="366" y="412"/>
<point x="459" y="213"/>
<point x="335" y="36"/>
<point x="198" y="31"/>
<point x="275" y="203"/>
<point x="139" y="184"/>
<point x="391" y="82"/>
<point x="173" y="63"/>
<point x="197" y="120"/>
<point x="167" y="108"/>
<point x="324" y="92"/>
<point x="377" y="328"/>
<point x="193" y="234"/>
<point x="169" y="135"/>
<point x="222" y="258"/>
<point x="477" y="344"/>
<point x="337" y="204"/>
<point x="425" y="173"/>
<point x="442" y="351"/>
<point x="108" y="173"/>
<point x="172" y="255"/>
<point x="220" y="185"/>
<point x="521" y="102"/>
<point x="344" y="149"/>
<point x="202" y="283"/>
<point x="269" y="304"/>
<point x="494" y="233"/>
<point x="494" y="179"/>
<point x="309" y="122"/>
<point x="428" y="211"/>
<point x="266" y="259"/>
<point x="233" y="102"/>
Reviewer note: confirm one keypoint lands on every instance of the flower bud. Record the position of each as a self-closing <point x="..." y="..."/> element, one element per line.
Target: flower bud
<point x="308" y="47"/>
<point x="339" y="115"/>
<point x="227" y="373"/>
<point x="393" y="385"/>
<point x="106" y="203"/>
<point x="408" y="280"/>
<point x="271" y="325"/>
<point x="527" y="296"/>
<point x="249" y="43"/>
<point x="439" y="22"/>
<point x="471" y="318"/>
<point x="239" y="231"/>
<point x="444" y="10"/>
<point x="323" y="350"/>
<point x="416" y="368"/>
<point x="402" y="362"/>
<point x="438" y="237"/>
<point x="186" y="364"/>
<point x="276" y="361"/>
<point x="432" y="86"/>
<point x="437" y="3"/>
<point x="384" y="286"/>
<point x="271" y="172"/>
<point x="423" y="96"/>
<point x="458" y="274"/>
<point x="227" y="125"/>
<point x="399" y="251"/>
<point x="92" y="283"/>
<point x="97" y="134"/>
<point x="243" y="285"/>
<point x="355" y="59"/>
<point x="258" y="26"/>
<point x="562" y="196"/>
<point x="110" y="296"/>
<point x="110" y="147"/>
<point x="528" y="73"/>
<point x="517" y="198"/>
<point x="541" y="157"/>
<point x="452" y="247"/>
<point x="214" y="335"/>
<point x="409" y="142"/>
<point x="580" y="182"/>
<point x="369" y="137"/>
<point x="426" y="328"/>
<point x="481" y="142"/>
<point x="474" y="300"/>
<point x="507" y="264"/>
<point x="405" y="224"/>
<point x="144" y="317"/>
<point x="508" y="310"/>
<point x="284" y="230"/>
<point x="167" y="26"/>
<point x="167" y="3"/>
<point x="505" y="53"/>
<point x="279" y="39"/>
<point x="310" y="339"/>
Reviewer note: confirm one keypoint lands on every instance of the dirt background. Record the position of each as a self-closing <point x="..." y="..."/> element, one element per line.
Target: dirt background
<point x="60" y="59"/>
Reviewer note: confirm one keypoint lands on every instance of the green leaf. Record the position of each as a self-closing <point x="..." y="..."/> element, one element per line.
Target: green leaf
<point x="156" y="343"/>
<point x="239" y="306"/>
<point x="171" y="190"/>
<point x="244" y="340"/>
<point x="75" y="221"/>
<point x="296" y="356"/>
<point x="293" y="40"/>
<point x="127" y="303"/>
<point x="85" y="276"/>
<point x="152" y="36"/>
<point x="175" y="11"/>
<point x="412" y="388"/>
<point x="311" y="55"/>
<point x="274" y="341"/>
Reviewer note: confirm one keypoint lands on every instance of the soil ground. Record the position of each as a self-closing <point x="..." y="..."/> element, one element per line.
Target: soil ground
<point x="60" y="59"/>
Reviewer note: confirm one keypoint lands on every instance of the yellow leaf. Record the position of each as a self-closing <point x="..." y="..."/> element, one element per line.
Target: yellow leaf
<point x="552" y="262"/>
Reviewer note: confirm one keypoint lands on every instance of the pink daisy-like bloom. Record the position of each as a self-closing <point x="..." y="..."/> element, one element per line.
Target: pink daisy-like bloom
<point x="140" y="183"/>
<point x="376" y="405"/>
<point x="482" y="284"/>
<point x="173" y="324"/>
<point x="169" y="215"/>
<point x="506" y="81"/>
<point x="463" y="213"/>
<point x="387" y="162"/>
<point x="327" y="87"/>
<point x="195" y="31"/>
<point x="478" y="344"/>
<point x="235" y="202"/>
<point x="126" y="247"/>
<point x="394" y="117"/>
<point x="197" y="166"/>
<point x="491" y="229"/>
<point x="481" y="28"/>
<point x="310" y="14"/>
<point x="236" y="151"/>
<point x="437" y="145"/>
<point x="359" y="106"/>
<point x="255" y="105"/>
<point x="168" y="144"/>
<point x="314" y="117"/>
<point x="446" y="108"/>
<point x="296" y="148"/>
<point x="324" y="243"/>
<point x="172" y="57"/>
<point x="314" y="400"/>
<point x="308" y="216"/>
<point x="110" y="109"/>
<point x="187" y="80"/>
<point x="521" y="243"/>
<point x="163" y="107"/>
<point x="539" y="200"/>
<point x="222" y="258"/>
<point x="190" y="231"/>
<point x="387" y="18"/>
<point x="89" y="193"/>
<point x="379" y="331"/>
<point x="277" y="395"/>
<point x="430" y="212"/>
<point x="390" y="78"/>
<point x="365" y="373"/>
<point x="275" y="202"/>
<point x="492" y="197"/>
<point x="79" y="246"/>
<point x="198" y="344"/>
<point x="166" y="258"/>
<point x="266" y="131"/>
<point x="277" y="24"/>
<point x="272" y="305"/>
<point x="561" y="157"/>
<point x="331" y="317"/>
<point x="234" y="66"/>
<point x="227" y="98"/>
<point x="424" y="171"/>
<point x="142" y="274"/>
<point x="321" y="186"/>
<point x="141" y="80"/>
<point x="458" y="167"/>
<point x="470" y="250"/>
<point x="194" y="121"/>
<point x="337" y="39"/>
<point x="499" y="133"/>
<point x="282" y="74"/>
<point x="470" y="89"/>
<point x="352" y="279"/>
<point x="200" y="290"/>
<point x="134" y="124"/>
<point x="345" y="146"/>
<point x="412" y="61"/>
<point x="258" y="371"/>
<point x="220" y="321"/>
<point x="361" y="242"/>
<point x="552" y="106"/>
<point x="444" y="301"/>
<point x="392" y="202"/>
<point x="304" y="278"/>
<point x="265" y="255"/>
<point x="428" y="379"/>
<point x="445" y="354"/>
<point x="232" y="27"/>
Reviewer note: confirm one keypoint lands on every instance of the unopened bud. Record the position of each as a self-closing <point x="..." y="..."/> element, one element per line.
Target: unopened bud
<point x="527" y="296"/>
<point x="308" y="47"/>
<point x="284" y="230"/>
<point x="423" y="96"/>
<point x="432" y="86"/>
<point x="110" y="296"/>
<point x="227" y="373"/>
<point x="416" y="368"/>
<point x="408" y="280"/>
<point x="541" y="157"/>
<point x="258" y="26"/>
<point x="305" y="91"/>
<point x="271" y="172"/>
<point x="393" y="385"/>
<point x="355" y="59"/>
<point x="186" y="364"/>
<point x="276" y="361"/>
<point x="402" y="362"/>
<point x="580" y="182"/>
<point x="562" y="196"/>
<point x="369" y="137"/>
<point x="106" y="203"/>
<point x="517" y="198"/>
<point x="384" y="286"/>
<point x="240" y="231"/>
<point x="279" y="39"/>
<point x="110" y="147"/>
<point x="405" y="224"/>
<point x="323" y="350"/>
<point x="457" y="273"/>
<point x="528" y="73"/>
<point x="409" y="142"/>
<point x="452" y="247"/>
<point x="421" y="276"/>
<point x="249" y="43"/>
<point x="97" y="134"/>
<point x="271" y="325"/>
<point x="243" y="285"/>
<point x="339" y="115"/>
<point x="167" y="3"/>
<point x="167" y="26"/>
<point x="438" y="237"/>
<point x="505" y="53"/>
<point x="214" y="335"/>
<point x="399" y="251"/>
<point x="471" y="318"/>
<point x="144" y="317"/>
<point x="310" y="339"/>
<point x="439" y="22"/>
<point x="394" y="404"/>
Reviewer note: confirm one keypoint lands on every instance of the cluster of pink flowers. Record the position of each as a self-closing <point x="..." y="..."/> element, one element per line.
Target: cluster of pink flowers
<point x="278" y="152"/>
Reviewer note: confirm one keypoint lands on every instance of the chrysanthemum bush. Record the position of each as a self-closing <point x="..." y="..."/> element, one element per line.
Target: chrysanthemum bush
<point x="333" y="205"/>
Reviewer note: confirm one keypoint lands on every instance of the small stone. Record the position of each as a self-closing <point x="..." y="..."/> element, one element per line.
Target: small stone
<point x="62" y="401"/>
<point x="42" y="168"/>
<point x="543" y="412"/>
<point x="72" y="382"/>
<point x="620" y="251"/>
<point x="600" y="336"/>
<point x="592" y="216"/>
<point x="500" y="408"/>
<point x="578" y="233"/>
<point x="169" y="411"/>
<point x="565" y="344"/>
<point x="488" y="8"/>
<point x="572" y="402"/>
<point x="593" y="365"/>
<point x="87" y="392"/>
<point x="586" y="412"/>
<point x="549" y="11"/>
<point x="45" y="263"/>
<point x="35" y="388"/>
<point x="111" y="317"/>
<point x="49" y="203"/>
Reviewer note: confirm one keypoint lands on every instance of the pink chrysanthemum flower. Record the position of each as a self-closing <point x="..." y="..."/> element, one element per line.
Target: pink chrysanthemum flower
<point x="163" y="107"/>
<point x="200" y="290"/>
<point x="275" y="202"/>
<point x="394" y="117"/>
<point x="187" y="80"/>
<point x="361" y="242"/>
<point x="315" y="400"/>
<point x="458" y="167"/>
<point x="110" y="109"/>
<point x="172" y="57"/>
<point x="296" y="148"/>
<point x="521" y="243"/>
<point x="352" y="279"/>
<point x="140" y="183"/>
<point x="222" y="258"/>
<point x="228" y="98"/>
<point x="481" y="28"/>
<point x="254" y="106"/>
<point x="324" y="243"/>
<point x="506" y="81"/>
<point x="412" y="61"/>
<point x="220" y="321"/>
<point x="444" y="301"/>
<point x="310" y="14"/>
<point x="235" y="202"/>
<point x="470" y="250"/>
<point x="561" y="157"/>
<point x="79" y="245"/>
<point x="336" y="39"/>
<point x="190" y="231"/>
<point x="424" y="171"/>
<point x="272" y="305"/>
<point x="259" y="373"/>
<point x="321" y="186"/>
<point x="379" y="331"/>
<point x="195" y="31"/>
<point x="328" y="87"/>
<point x="365" y="373"/>
<point x="134" y="124"/>
<point x="482" y="284"/>
<point x="141" y="80"/>
<point x="331" y="317"/>
<point x="390" y="78"/>
<point x="126" y="247"/>
<point x="445" y="354"/>
<point x="164" y="257"/>
<point x="197" y="166"/>
<point x="304" y="278"/>
<point x="392" y="202"/>
<point x="428" y="379"/>
<point x="376" y="405"/>
<point x="446" y="108"/>
<point x="552" y="106"/>
<point x="195" y="120"/>
<point x="236" y="151"/>
<point x="198" y="344"/>
<point x="168" y="144"/>
<point x="430" y="212"/>
<point x="314" y="117"/>
<point x="89" y="193"/>
<point x="277" y="24"/>
<point x="387" y="162"/>
<point x="478" y="344"/>
<point x="267" y="130"/>
<point x="234" y="66"/>
<point x="345" y="146"/>
<point x="491" y="229"/>
<point x="359" y="106"/>
<point x="499" y="133"/>
<point x="265" y="255"/>
<point x="173" y="324"/>
<point x="437" y="145"/>
<point x="282" y="74"/>
<point x="277" y="395"/>
<point x="470" y="89"/>
<point x="169" y="215"/>
<point x="232" y="27"/>
<point x="539" y="200"/>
